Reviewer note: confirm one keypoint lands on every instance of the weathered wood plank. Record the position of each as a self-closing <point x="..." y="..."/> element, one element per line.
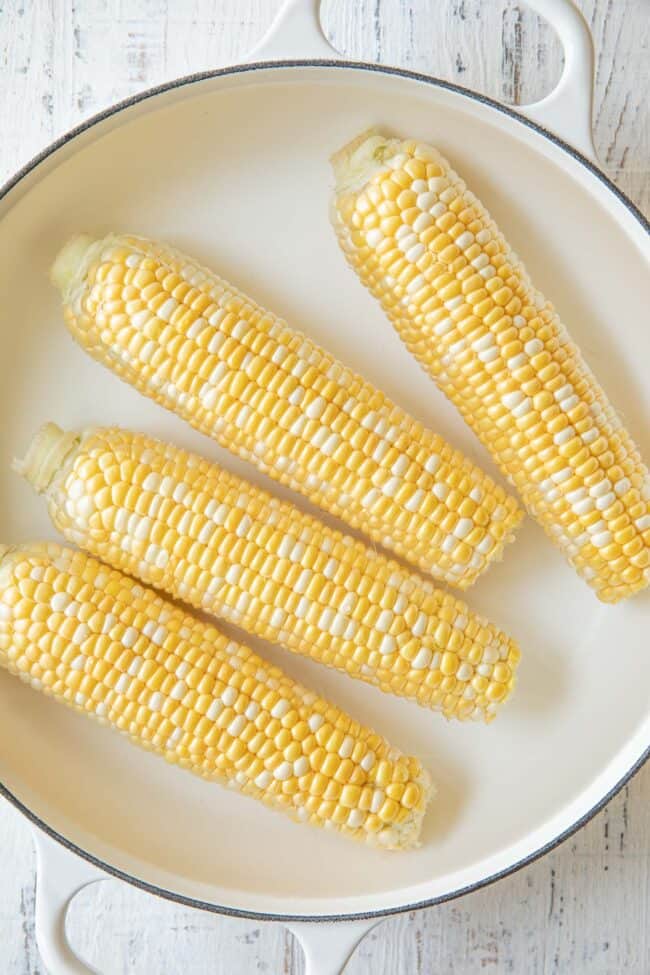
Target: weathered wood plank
<point x="584" y="907"/>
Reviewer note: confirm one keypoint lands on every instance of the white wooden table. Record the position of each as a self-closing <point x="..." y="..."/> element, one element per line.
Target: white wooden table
<point x="585" y="908"/>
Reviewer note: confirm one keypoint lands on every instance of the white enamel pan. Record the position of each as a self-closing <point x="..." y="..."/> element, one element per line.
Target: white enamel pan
<point x="232" y="165"/>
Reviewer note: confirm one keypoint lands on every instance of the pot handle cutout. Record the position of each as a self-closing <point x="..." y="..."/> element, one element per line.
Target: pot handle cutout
<point x="296" y="34"/>
<point x="328" y="945"/>
<point x="567" y="111"/>
<point x="60" y="875"/>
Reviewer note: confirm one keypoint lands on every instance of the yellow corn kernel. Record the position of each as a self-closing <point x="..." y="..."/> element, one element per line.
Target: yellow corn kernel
<point x="225" y="546"/>
<point x="503" y="357"/>
<point x="214" y="741"/>
<point x="196" y="345"/>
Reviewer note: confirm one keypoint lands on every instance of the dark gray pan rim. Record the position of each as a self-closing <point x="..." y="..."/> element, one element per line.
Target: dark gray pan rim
<point x="645" y="224"/>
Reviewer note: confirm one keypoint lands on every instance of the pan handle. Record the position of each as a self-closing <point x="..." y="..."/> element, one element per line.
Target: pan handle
<point x="567" y="111"/>
<point x="60" y="876"/>
<point x="296" y="34"/>
<point x="327" y="946"/>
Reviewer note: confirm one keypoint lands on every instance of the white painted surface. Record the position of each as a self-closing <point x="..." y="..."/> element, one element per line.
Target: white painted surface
<point x="585" y="907"/>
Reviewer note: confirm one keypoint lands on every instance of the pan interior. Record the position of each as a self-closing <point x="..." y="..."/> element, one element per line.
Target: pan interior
<point x="235" y="172"/>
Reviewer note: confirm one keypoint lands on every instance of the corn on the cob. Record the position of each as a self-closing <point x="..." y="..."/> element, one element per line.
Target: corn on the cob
<point x="464" y="305"/>
<point x="197" y="346"/>
<point x="93" y="638"/>
<point x="224" y="545"/>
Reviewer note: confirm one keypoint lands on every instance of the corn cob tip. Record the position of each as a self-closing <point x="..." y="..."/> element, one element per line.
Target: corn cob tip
<point x="68" y="261"/>
<point x="45" y="456"/>
<point x="354" y="163"/>
<point x="409" y="833"/>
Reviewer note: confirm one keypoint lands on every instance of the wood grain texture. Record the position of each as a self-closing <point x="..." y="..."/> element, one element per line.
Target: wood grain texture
<point x="585" y="908"/>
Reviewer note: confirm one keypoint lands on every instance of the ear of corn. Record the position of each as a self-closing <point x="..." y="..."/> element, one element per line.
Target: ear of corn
<point x="222" y="544"/>
<point x="96" y="640"/>
<point x="464" y="305"/>
<point x="196" y="345"/>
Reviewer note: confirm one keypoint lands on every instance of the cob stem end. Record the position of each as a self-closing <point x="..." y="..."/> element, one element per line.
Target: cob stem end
<point x="6" y="551"/>
<point x="45" y="456"/>
<point x="68" y="261"/>
<point x="356" y="161"/>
